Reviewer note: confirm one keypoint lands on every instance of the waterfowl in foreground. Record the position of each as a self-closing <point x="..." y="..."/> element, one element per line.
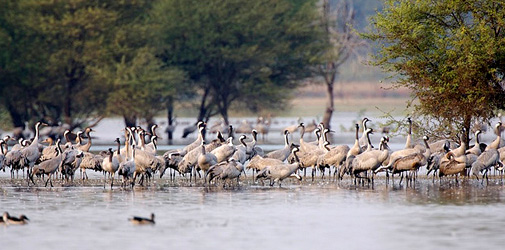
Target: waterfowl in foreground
<point x="142" y="221"/>
<point x="11" y="220"/>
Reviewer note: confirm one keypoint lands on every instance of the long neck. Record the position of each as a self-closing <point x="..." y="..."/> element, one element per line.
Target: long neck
<point x="477" y="140"/>
<point x="296" y="157"/>
<point x="127" y="141"/>
<point x="153" y="130"/>
<point x="369" y="146"/>
<point x="118" y="148"/>
<point x="154" y="143"/>
<point x="36" y="139"/>
<point x="59" y="147"/>
<point x="200" y="134"/>
<point x="230" y="131"/>
<point x="408" y="143"/>
<point x="142" y="140"/>
<point x="357" y="138"/>
<point x="110" y="155"/>
<point x="67" y="137"/>
<point x="410" y="127"/>
<point x="426" y="144"/>
<point x="2" y="147"/>
<point x="286" y="140"/>
<point x="89" y="139"/>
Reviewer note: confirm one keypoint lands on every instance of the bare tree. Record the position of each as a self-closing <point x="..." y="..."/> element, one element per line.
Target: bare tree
<point x="344" y="42"/>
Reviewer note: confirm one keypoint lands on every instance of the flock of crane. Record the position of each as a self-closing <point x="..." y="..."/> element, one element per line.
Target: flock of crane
<point x="136" y="161"/>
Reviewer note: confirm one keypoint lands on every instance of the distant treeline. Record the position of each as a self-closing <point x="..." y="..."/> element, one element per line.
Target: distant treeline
<point x="76" y="61"/>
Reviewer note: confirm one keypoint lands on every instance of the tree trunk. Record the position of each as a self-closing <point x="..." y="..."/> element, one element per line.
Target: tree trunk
<point x="466" y="125"/>
<point x="17" y="118"/>
<point x="223" y="111"/>
<point x="130" y="120"/>
<point x="67" y="103"/>
<point x="170" y="119"/>
<point x="203" y="106"/>
<point x="329" y="106"/>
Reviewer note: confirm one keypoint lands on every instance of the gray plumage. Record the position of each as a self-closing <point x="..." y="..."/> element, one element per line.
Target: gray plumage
<point x="48" y="167"/>
<point x="226" y="170"/>
<point x="279" y="172"/>
<point x="110" y="164"/>
<point x="240" y="154"/>
<point x="71" y="162"/>
<point x="258" y="162"/>
<point x="127" y="169"/>
<point x="363" y="140"/>
<point x="31" y="153"/>
<point x="90" y="161"/>
<point x="87" y="146"/>
<point x="225" y="151"/>
<point x="197" y="142"/>
<point x="189" y="160"/>
<point x="305" y="146"/>
<point x="283" y="153"/>
<point x="453" y="165"/>
<point x="496" y="143"/>
<point x="370" y="160"/>
<point x="206" y="159"/>
<point x="485" y="161"/>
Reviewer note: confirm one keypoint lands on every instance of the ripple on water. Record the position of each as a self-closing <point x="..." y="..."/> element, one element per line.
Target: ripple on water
<point x="320" y="215"/>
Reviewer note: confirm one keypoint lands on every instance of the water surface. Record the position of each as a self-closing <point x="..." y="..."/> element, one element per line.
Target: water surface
<point x="319" y="215"/>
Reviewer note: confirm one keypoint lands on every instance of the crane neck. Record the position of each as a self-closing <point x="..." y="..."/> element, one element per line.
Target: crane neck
<point x="89" y="138"/>
<point x="58" y="147"/>
<point x="357" y="129"/>
<point x="369" y="146"/>
<point x="36" y="139"/>
<point x="118" y="147"/>
<point x="286" y="140"/>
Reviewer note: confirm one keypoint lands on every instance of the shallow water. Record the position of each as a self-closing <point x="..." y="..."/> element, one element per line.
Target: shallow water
<point x="316" y="215"/>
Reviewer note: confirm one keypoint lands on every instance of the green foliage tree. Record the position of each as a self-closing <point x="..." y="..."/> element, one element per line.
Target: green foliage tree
<point x="20" y="67"/>
<point x="142" y="85"/>
<point x="450" y="54"/>
<point x="81" y="60"/>
<point x="252" y="51"/>
<point x="75" y="36"/>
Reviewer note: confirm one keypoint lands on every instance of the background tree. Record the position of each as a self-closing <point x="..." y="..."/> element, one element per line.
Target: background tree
<point x="74" y="33"/>
<point x="20" y="68"/>
<point x="141" y="86"/>
<point x="252" y="51"/>
<point x="343" y="41"/>
<point x="450" y="54"/>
